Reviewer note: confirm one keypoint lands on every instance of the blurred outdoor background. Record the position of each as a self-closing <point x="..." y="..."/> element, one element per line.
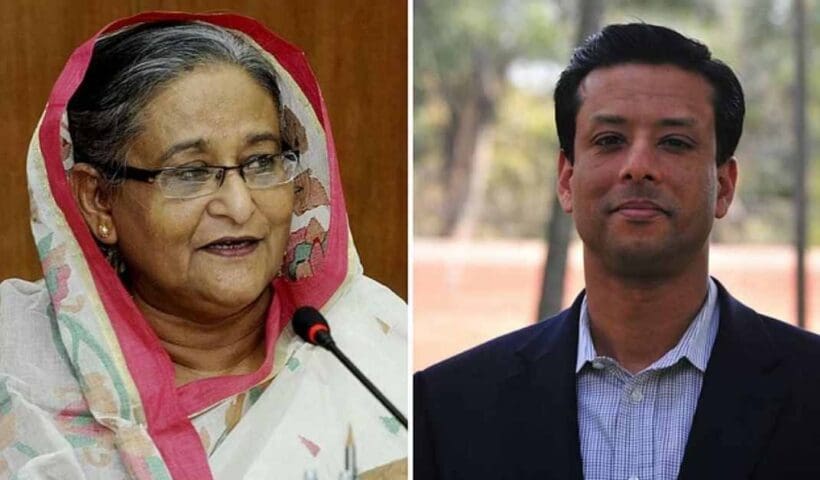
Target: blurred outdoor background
<point x="485" y="158"/>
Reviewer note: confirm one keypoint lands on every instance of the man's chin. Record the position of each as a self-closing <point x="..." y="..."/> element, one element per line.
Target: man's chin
<point x="642" y="261"/>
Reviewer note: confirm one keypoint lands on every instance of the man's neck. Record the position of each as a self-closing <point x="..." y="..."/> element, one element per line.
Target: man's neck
<point x="232" y="345"/>
<point x="636" y="321"/>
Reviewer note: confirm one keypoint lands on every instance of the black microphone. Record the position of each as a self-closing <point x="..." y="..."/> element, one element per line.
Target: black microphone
<point x="313" y="328"/>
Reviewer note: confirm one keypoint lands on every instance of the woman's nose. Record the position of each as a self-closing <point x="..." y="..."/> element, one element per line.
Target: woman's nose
<point x="233" y="199"/>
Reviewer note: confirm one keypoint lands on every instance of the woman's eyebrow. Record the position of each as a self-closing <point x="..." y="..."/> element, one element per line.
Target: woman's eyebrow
<point x="201" y="145"/>
<point x="255" y="138"/>
<point x="198" y="144"/>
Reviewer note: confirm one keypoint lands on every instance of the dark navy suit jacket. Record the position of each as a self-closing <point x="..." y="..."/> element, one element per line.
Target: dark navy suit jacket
<point x="507" y="409"/>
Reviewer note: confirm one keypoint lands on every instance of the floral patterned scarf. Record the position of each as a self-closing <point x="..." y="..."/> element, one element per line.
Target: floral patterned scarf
<point x="128" y="399"/>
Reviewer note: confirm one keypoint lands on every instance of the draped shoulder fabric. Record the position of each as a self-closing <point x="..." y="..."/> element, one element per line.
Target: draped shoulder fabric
<point x="87" y="391"/>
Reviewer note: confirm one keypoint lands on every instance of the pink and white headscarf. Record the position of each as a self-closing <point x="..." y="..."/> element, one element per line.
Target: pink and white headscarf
<point x="126" y="377"/>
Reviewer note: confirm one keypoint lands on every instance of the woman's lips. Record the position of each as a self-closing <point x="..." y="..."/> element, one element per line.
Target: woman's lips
<point x="232" y="247"/>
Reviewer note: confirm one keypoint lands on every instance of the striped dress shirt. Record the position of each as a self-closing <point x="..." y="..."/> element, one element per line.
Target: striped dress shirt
<point x="634" y="427"/>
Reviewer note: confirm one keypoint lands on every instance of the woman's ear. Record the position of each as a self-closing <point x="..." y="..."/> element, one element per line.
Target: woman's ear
<point x="94" y="198"/>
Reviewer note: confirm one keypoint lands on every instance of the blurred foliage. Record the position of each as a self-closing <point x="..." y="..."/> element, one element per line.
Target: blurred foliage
<point x="531" y="41"/>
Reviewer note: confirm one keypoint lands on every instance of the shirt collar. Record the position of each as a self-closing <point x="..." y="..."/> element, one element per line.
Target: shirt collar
<point x="695" y="345"/>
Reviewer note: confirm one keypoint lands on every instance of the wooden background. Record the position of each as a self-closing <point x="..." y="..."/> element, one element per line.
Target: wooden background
<point x="357" y="48"/>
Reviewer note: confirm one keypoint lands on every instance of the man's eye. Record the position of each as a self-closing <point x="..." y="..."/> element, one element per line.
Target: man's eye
<point x="676" y="144"/>
<point x="608" y="141"/>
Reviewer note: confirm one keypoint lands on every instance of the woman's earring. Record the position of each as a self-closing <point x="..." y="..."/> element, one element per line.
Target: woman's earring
<point x="103" y="230"/>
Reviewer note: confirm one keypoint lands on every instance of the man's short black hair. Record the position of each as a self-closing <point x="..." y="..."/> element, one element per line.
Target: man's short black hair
<point x="641" y="43"/>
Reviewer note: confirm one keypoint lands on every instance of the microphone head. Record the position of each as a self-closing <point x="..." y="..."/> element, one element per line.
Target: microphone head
<point x="308" y="323"/>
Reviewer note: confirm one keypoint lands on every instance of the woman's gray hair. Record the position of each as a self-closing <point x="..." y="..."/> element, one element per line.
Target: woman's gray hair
<point x="129" y="67"/>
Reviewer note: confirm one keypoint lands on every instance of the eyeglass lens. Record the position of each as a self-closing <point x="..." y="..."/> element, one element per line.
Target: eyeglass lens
<point x="264" y="172"/>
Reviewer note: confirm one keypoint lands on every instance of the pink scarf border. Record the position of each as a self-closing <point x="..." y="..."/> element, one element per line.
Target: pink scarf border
<point x="167" y="408"/>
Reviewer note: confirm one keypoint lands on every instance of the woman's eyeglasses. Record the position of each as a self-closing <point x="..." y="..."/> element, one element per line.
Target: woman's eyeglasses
<point x="259" y="172"/>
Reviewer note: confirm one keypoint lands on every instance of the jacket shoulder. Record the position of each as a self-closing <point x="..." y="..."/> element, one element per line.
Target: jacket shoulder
<point x="785" y="338"/>
<point x="492" y="361"/>
<point x="797" y="343"/>
<point x="796" y="351"/>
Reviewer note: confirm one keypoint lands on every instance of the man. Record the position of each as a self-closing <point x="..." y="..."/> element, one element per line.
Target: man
<point x="655" y="372"/>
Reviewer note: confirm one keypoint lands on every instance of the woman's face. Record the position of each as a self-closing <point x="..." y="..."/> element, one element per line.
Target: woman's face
<point x="210" y="256"/>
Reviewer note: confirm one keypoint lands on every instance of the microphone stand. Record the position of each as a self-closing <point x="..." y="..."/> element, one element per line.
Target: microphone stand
<point x="324" y="339"/>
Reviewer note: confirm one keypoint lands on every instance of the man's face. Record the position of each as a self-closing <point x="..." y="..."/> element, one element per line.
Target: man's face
<point x="644" y="187"/>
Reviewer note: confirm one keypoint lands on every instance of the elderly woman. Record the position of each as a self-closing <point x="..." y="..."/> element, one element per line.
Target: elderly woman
<point x="185" y="201"/>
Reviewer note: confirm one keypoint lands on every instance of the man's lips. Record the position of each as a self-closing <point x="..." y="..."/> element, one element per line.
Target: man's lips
<point x="639" y="209"/>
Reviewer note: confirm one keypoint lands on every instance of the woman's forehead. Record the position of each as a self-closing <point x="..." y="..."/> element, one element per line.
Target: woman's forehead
<point x="207" y="109"/>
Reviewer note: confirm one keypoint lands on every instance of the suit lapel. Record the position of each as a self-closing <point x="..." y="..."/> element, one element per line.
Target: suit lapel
<point x="541" y="395"/>
<point x="742" y="392"/>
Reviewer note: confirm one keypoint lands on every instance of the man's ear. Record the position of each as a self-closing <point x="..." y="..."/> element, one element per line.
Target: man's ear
<point x="94" y="198"/>
<point x="564" y="187"/>
<point x="726" y="182"/>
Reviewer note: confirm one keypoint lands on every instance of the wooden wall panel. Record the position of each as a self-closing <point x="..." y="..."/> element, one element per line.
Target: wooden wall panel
<point x="357" y="48"/>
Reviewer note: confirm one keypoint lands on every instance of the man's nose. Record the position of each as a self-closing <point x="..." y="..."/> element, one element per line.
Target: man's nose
<point x="640" y="162"/>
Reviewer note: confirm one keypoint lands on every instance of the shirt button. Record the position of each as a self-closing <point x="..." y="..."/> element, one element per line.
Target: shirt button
<point x="636" y="397"/>
<point x="597" y="364"/>
<point x="634" y="477"/>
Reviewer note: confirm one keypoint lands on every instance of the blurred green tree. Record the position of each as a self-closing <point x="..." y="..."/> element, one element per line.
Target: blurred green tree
<point x="463" y="53"/>
<point x="558" y="226"/>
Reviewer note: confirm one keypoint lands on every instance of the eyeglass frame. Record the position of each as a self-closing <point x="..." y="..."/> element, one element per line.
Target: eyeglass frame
<point x="126" y="172"/>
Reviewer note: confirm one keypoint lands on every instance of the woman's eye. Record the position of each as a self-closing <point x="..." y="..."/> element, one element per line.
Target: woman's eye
<point x="192" y="174"/>
<point x="261" y="162"/>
